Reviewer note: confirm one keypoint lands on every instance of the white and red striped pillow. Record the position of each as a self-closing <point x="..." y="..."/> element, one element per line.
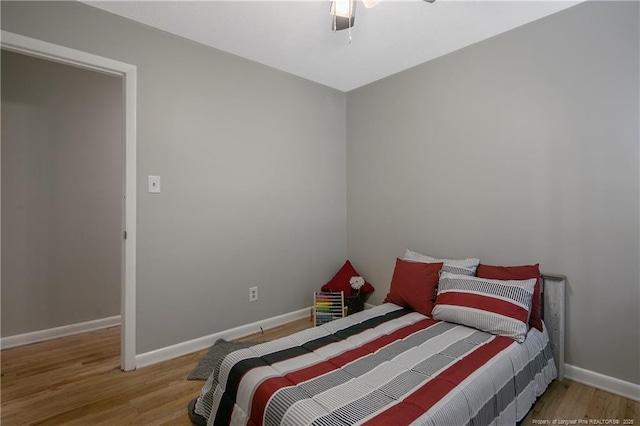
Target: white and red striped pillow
<point x="495" y="306"/>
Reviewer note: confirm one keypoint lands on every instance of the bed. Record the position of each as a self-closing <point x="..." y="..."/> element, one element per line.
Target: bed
<point x="389" y="365"/>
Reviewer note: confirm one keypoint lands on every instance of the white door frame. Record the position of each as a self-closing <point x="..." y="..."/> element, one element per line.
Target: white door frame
<point x="53" y="52"/>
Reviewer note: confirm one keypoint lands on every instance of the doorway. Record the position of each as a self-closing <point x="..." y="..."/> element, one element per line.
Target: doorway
<point x="124" y="218"/>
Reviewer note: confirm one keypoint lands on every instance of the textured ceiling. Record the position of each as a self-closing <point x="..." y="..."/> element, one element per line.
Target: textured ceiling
<point x="295" y="36"/>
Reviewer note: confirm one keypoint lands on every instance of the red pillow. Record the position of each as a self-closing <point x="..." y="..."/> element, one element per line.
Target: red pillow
<point x="523" y="272"/>
<point x="340" y="281"/>
<point x="414" y="285"/>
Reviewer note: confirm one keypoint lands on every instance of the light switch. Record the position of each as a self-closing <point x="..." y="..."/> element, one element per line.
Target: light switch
<point x="154" y="184"/>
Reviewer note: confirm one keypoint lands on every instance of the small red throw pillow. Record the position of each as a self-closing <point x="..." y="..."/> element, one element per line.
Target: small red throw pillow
<point x="340" y="281"/>
<point x="414" y="285"/>
<point x="523" y="272"/>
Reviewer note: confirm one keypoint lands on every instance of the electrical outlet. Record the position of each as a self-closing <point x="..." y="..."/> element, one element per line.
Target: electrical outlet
<point x="253" y="294"/>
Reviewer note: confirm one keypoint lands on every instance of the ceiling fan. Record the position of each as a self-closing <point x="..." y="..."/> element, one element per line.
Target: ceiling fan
<point x="344" y="12"/>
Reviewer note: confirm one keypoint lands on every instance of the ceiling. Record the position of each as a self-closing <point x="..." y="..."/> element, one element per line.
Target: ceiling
<point x="295" y="36"/>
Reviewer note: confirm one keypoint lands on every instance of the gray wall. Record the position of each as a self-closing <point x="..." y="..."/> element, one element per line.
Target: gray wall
<point x="253" y="169"/>
<point x="519" y="149"/>
<point x="61" y="194"/>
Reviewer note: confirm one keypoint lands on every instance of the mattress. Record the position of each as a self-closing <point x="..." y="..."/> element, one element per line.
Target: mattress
<point x="387" y="365"/>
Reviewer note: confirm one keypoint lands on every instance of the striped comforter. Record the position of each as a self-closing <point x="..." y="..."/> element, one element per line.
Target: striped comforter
<point x="384" y="366"/>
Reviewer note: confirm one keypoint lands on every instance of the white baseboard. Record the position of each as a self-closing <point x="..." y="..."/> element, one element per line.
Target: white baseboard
<point x="185" y="348"/>
<point x="600" y="381"/>
<point x="54" y="333"/>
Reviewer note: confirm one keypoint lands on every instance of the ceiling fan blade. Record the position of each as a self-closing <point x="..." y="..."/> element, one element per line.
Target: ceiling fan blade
<point x="429" y="1"/>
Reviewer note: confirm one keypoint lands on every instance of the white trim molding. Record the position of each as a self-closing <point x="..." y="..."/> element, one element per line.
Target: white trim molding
<point x="605" y="383"/>
<point x="53" y="52"/>
<point x="185" y="348"/>
<point x="54" y="333"/>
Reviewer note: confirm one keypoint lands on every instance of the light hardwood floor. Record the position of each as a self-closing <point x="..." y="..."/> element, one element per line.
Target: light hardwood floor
<point x="76" y="380"/>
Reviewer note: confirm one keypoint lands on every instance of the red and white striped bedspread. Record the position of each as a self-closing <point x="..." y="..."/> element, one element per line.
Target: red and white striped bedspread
<point x="384" y="366"/>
